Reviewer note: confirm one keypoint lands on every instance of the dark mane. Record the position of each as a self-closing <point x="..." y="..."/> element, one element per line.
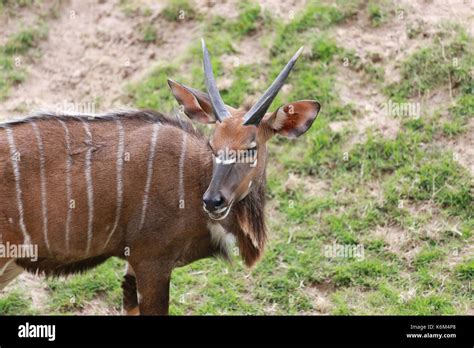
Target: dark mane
<point x="146" y="116"/>
<point x="251" y="231"/>
<point x="50" y="267"/>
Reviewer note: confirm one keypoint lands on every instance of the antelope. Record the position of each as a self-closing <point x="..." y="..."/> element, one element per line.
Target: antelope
<point x="142" y="186"/>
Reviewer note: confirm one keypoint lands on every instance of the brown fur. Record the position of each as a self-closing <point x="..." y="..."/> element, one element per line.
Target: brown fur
<point x="52" y="267"/>
<point x="170" y="237"/>
<point x="251" y="228"/>
<point x="129" y="287"/>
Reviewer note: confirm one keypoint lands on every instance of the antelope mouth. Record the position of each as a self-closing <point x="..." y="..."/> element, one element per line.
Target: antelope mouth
<point x="219" y="214"/>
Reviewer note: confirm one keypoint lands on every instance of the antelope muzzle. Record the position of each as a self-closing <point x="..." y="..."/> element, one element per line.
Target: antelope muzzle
<point x="217" y="200"/>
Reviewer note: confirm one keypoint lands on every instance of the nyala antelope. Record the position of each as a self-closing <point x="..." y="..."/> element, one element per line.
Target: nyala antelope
<point x="141" y="186"/>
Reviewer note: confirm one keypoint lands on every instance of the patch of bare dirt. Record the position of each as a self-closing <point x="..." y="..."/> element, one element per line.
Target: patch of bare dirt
<point x="320" y="297"/>
<point x="463" y="147"/>
<point x="395" y="237"/>
<point x="251" y="50"/>
<point x="284" y="9"/>
<point x="369" y="102"/>
<point x="386" y="42"/>
<point x="313" y="187"/>
<point x="16" y="17"/>
<point x="435" y="11"/>
<point x="354" y="88"/>
<point x="458" y="255"/>
<point x="97" y="307"/>
<point x="35" y="287"/>
<point x="248" y="51"/>
<point x="224" y="8"/>
<point x="407" y="241"/>
<point x="92" y="50"/>
<point x="391" y="41"/>
<point x="391" y="44"/>
<point x="436" y="224"/>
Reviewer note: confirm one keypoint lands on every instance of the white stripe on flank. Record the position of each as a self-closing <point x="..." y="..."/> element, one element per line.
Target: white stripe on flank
<point x="90" y="188"/>
<point x="120" y="161"/>
<point x="181" y="192"/>
<point x="151" y="157"/>
<point x="17" y="175"/>
<point x="44" y="199"/>
<point x="68" y="183"/>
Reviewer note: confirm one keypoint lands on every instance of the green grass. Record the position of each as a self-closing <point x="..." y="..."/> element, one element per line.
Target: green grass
<point x="179" y="10"/>
<point x="79" y="290"/>
<point x="12" y="5"/>
<point x="23" y="40"/>
<point x="12" y="57"/>
<point x="219" y="34"/>
<point x="376" y="14"/>
<point x="372" y="72"/>
<point x="150" y="94"/>
<point x="428" y="305"/>
<point x="425" y="257"/>
<point x="405" y="167"/>
<point x="314" y="17"/>
<point x="363" y="273"/>
<point x="408" y="184"/>
<point x="439" y="179"/>
<point x="15" y="303"/>
<point x="241" y="86"/>
<point x="149" y="33"/>
<point x="131" y="8"/>
<point x="463" y="109"/>
<point x="446" y="62"/>
<point x="249" y="19"/>
<point x="465" y="271"/>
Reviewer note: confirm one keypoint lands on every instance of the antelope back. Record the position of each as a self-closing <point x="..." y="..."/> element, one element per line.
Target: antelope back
<point x="81" y="187"/>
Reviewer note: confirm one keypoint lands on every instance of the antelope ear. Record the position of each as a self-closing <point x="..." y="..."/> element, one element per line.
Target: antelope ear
<point x="196" y="103"/>
<point x="292" y="120"/>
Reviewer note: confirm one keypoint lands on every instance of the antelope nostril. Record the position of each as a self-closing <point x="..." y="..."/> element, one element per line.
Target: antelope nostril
<point x="214" y="202"/>
<point x="218" y="202"/>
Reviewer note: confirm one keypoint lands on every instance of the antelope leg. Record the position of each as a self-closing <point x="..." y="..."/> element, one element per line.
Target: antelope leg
<point x="153" y="281"/>
<point x="129" y="286"/>
<point x="9" y="270"/>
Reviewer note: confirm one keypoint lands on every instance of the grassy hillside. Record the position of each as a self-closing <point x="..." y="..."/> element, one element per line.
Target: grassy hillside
<point x="383" y="175"/>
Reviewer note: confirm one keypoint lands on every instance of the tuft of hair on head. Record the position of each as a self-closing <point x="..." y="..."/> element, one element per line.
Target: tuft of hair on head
<point x="248" y="102"/>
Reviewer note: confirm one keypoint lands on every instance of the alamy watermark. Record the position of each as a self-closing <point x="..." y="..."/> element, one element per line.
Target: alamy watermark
<point x="407" y="109"/>
<point x="345" y="251"/>
<point x="228" y="156"/>
<point x="87" y="108"/>
<point x="64" y="107"/>
<point x="17" y="251"/>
